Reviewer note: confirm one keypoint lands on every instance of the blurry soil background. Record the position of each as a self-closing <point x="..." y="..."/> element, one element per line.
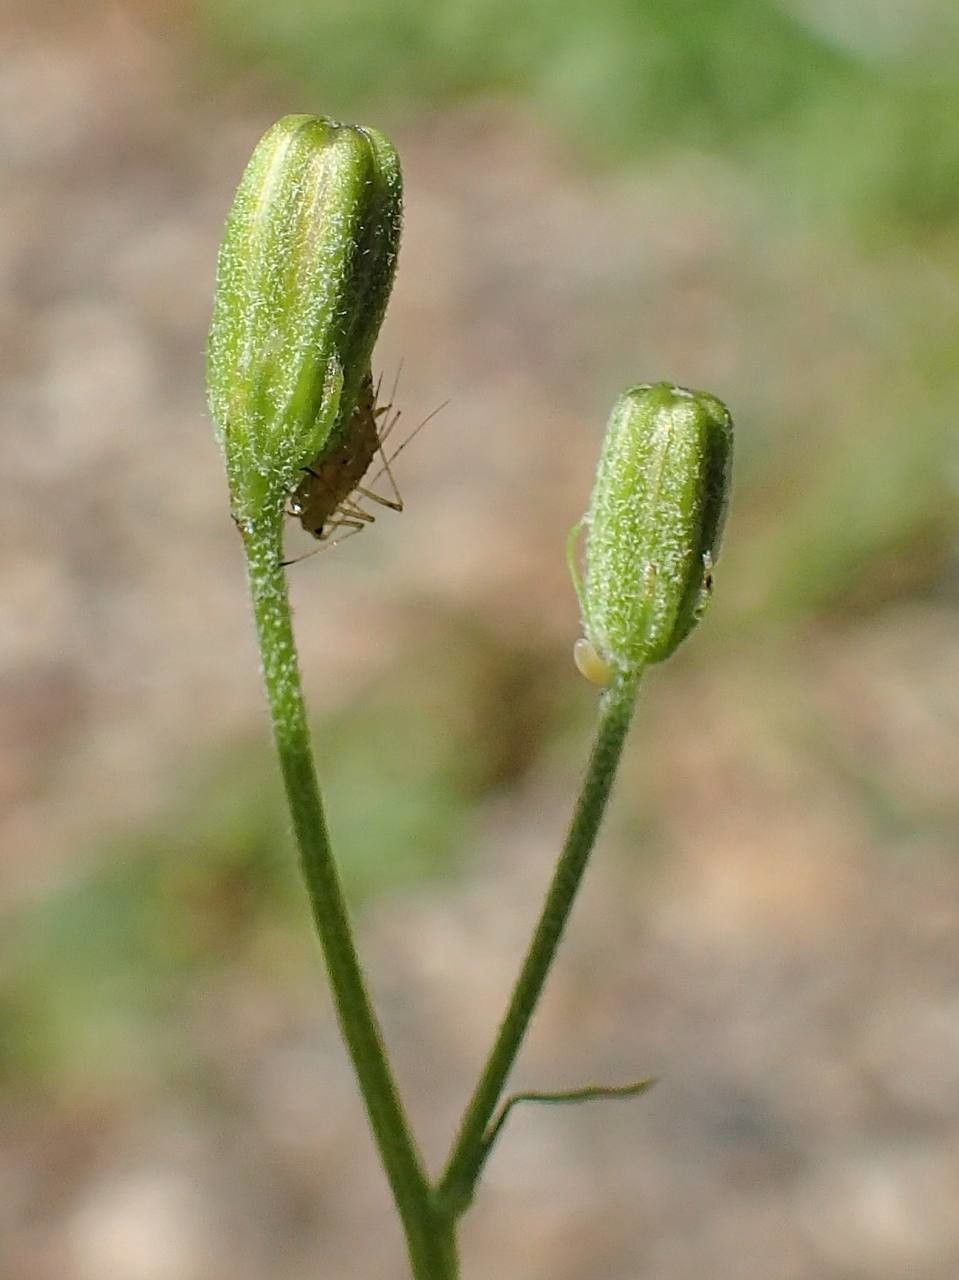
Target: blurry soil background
<point x="758" y="199"/>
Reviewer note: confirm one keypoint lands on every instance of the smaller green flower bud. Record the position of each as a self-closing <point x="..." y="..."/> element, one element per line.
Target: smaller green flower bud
<point x="303" y="277"/>
<point x="653" y="527"/>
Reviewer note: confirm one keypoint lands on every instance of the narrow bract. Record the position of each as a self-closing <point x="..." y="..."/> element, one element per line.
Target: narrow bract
<point x="303" y="278"/>
<point x="653" y="526"/>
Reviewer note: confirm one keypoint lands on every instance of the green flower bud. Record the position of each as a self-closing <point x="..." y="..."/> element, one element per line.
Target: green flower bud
<point x="303" y="277"/>
<point x="653" y="527"/>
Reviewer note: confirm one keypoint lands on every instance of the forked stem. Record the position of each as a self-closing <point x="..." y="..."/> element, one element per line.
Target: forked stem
<point x="428" y="1214"/>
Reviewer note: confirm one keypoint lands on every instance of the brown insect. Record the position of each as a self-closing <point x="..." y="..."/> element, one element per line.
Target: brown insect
<point x="328" y="500"/>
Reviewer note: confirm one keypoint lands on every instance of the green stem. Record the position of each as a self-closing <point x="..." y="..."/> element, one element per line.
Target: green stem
<point x="472" y="1146"/>
<point x="429" y="1230"/>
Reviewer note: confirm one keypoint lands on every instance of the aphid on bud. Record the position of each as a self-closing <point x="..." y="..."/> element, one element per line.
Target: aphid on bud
<point x="303" y="279"/>
<point x="328" y="500"/>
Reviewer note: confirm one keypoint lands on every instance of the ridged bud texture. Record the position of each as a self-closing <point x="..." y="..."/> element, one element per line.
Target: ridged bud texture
<point x="654" y="524"/>
<point x="303" y="278"/>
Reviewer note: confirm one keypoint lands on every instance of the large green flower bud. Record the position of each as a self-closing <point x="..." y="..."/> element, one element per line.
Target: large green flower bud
<point x="653" y="527"/>
<point x="303" y="278"/>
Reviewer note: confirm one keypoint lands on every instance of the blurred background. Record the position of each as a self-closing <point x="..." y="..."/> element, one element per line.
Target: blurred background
<point x="757" y="197"/>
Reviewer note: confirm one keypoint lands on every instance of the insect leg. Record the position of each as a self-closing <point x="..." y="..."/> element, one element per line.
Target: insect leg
<point x="396" y="502"/>
<point x="387" y="462"/>
<point x="351" y="512"/>
<point x="328" y="542"/>
<point x="326" y="539"/>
